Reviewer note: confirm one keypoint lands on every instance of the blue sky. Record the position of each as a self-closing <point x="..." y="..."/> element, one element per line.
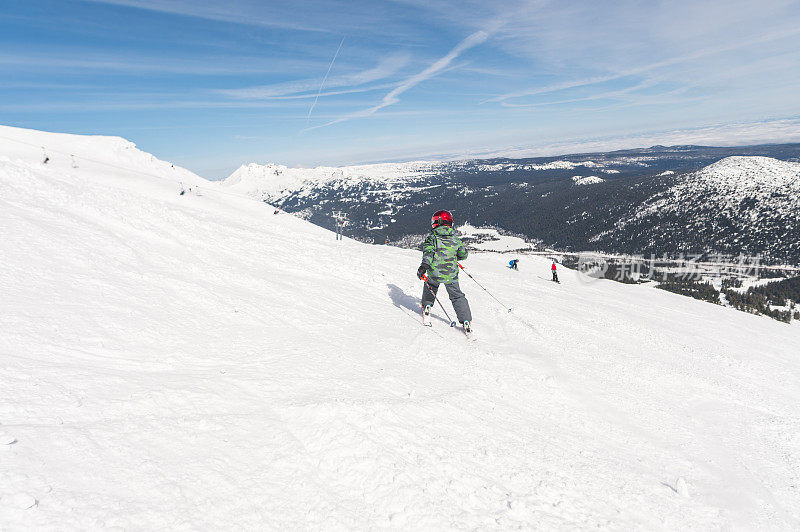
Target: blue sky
<point x="211" y="85"/>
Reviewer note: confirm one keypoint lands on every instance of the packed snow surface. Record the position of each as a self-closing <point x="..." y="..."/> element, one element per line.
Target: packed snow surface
<point x="195" y="362"/>
<point x="490" y="239"/>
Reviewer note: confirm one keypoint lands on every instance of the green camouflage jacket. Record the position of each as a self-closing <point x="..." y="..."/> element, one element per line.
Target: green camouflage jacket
<point x="441" y="251"/>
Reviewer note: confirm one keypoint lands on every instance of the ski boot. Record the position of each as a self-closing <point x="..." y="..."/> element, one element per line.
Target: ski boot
<point x="426" y="316"/>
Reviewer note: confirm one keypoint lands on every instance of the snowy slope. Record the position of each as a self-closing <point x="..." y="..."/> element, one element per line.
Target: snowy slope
<point x="191" y="362"/>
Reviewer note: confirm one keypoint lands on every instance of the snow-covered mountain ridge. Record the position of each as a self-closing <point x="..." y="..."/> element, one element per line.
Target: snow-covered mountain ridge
<point x="646" y="202"/>
<point x="199" y="363"/>
<point x="748" y="205"/>
<point x="270" y="179"/>
<point x="87" y="153"/>
<point x="275" y="179"/>
<point x="767" y="182"/>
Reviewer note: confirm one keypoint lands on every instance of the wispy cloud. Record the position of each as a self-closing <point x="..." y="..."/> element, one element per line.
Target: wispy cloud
<point x="44" y="85"/>
<point x="647" y="83"/>
<point x="388" y="66"/>
<point x="643" y="69"/>
<point x="321" y="85"/>
<point x="723" y="134"/>
<point x="334" y="92"/>
<point x="402" y="148"/>
<point x="306" y="16"/>
<point x="246" y="13"/>
<point x="392" y="97"/>
<point x="82" y="60"/>
<point x="584" y="47"/>
<point x="125" y="105"/>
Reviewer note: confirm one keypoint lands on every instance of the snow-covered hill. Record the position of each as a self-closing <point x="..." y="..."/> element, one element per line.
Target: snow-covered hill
<point x="747" y="205"/>
<point x="84" y="154"/>
<point x="587" y="180"/>
<point x="197" y="362"/>
<point x="749" y="187"/>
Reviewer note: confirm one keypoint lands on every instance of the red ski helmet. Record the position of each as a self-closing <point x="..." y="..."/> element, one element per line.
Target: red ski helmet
<point x="441" y="218"/>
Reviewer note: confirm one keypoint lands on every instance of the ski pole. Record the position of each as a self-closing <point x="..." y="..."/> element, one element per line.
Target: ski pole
<point x="425" y="278"/>
<point x="484" y="288"/>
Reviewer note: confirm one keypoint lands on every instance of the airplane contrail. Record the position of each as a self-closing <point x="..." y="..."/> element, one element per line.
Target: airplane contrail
<point x="308" y="118"/>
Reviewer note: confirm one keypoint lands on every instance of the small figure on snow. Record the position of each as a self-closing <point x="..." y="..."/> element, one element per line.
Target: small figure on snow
<point x="441" y="252"/>
<point x="513" y="264"/>
<point x="555" y="273"/>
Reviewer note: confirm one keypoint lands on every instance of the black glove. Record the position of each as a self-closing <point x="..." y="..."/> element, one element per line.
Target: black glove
<point x="423" y="268"/>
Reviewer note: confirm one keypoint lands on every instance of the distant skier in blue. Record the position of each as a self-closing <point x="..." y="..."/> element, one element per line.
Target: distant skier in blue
<point x="513" y="264"/>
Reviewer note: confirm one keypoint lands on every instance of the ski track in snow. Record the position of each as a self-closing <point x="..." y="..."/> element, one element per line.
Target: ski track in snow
<point x="195" y="362"/>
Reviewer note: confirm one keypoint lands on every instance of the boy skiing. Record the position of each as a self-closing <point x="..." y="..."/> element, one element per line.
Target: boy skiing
<point x="513" y="264"/>
<point x="441" y="252"/>
<point x="555" y="273"/>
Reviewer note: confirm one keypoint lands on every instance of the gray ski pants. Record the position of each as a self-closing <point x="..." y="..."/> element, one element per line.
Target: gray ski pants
<point x="457" y="298"/>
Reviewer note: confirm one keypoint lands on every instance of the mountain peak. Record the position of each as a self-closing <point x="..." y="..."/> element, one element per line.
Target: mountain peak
<point x="751" y="172"/>
<point x="95" y="153"/>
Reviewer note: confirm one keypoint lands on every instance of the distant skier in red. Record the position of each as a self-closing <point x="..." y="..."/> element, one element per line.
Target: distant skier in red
<point x="555" y="273"/>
